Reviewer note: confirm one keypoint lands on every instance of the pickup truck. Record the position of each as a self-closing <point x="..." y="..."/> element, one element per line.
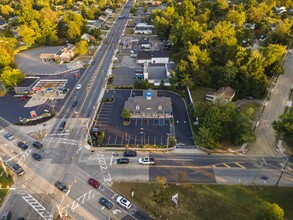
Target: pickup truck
<point x="146" y="161"/>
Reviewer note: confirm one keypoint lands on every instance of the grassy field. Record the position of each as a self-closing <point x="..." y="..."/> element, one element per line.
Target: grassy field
<point x="254" y="105"/>
<point x="199" y="93"/>
<point x="5" y="182"/>
<point x="208" y="201"/>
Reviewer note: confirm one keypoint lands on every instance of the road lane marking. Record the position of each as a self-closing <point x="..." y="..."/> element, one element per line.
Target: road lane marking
<point x="85" y="197"/>
<point x="226" y="165"/>
<point x="111" y="161"/>
<point x="240" y="165"/>
<point x="158" y="159"/>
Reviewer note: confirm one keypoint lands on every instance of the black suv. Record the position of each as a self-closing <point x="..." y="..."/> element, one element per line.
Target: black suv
<point x="22" y="145"/>
<point x="37" y="157"/>
<point x="61" y="186"/>
<point x="37" y="144"/>
<point x="122" y="161"/>
<point x="129" y="153"/>
<point x="105" y="202"/>
<point x="74" y="104"/>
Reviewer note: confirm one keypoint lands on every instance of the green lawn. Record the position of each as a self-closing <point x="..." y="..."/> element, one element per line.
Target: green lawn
<point x="254" y="105"/>
<point x="209" y="201"/>
<point x="199" y="93"/>
<point x="5" y="182"/>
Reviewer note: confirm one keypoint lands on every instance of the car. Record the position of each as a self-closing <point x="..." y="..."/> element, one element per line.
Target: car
<point x="74" y="104"/>
<point x="61" y="186"/>
<point x="138" y="77"/>
<point x="122" y="161"/>
<point x="18" y="170"/>
<point x="62" y="126"/>
<point x="21" y="218"/>
<point x="139" y="70"/>
<point x="105" y="202"/>
<point x="23" y="98"/>
<point x="133" y="55"/>
<point x="37" y="157"/>
<point x="8" y="136"/>
<point x="93" y="62"/>
<point x="6" y="215"/>
<point x="129" y="153"/>
<point x="22" y="145"/>
<point x="123" y="202"/>
<point x="108" y="42"/>
<point x="133" y="51"/>
<point x="78" y="86"/>
<point x="93" y="182"/>
<point x="139" y="74"/>
<point x="37" y="145"/>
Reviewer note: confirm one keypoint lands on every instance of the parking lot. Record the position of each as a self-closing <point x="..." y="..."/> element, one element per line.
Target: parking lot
<point x="153" y="131"/>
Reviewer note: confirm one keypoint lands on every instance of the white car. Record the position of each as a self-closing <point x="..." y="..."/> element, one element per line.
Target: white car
<point x="8" y="136"/>
<point x="123" y="202"/>
<point x="78" y="86"/>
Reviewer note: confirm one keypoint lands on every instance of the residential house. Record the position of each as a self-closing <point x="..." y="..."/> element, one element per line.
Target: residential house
<point x="224" y="93"/>
<point x="144" y="43"/>
<point x="143" y="28"/>
<point x="149" y="105"/>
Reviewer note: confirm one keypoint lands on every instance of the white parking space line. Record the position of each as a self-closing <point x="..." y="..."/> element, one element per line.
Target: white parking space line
<point x="111" y="161"/>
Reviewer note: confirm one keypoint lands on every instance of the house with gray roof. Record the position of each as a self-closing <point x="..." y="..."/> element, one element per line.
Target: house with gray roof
<point x="149" y="105"/>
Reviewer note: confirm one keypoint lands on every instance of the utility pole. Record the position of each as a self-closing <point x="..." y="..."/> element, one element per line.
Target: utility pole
<point x="282" y="171"/>
<point x="60" y="209"/>
<point x="261" y="165"/>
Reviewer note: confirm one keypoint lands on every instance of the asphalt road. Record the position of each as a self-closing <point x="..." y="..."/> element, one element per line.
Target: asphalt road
<point x="266" y="142"/>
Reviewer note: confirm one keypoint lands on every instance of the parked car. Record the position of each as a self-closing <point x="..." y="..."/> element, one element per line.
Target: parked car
<point x="23" y="98"/>
<point x="8" y="136"/>
<point x="123" y="202"/>
<point x="139" y="70"/>
<point x="138" y="77"/>
<point x="6" y="215"/>
<point x="133" y="55"/>
<point x="93" y="182"/>
<point x="122" y="161"/>
<point x="74" y="104"/>
<point x="105" y="202"/>
<point x="133" y="51"/>
<point x="37" y="157"/>
<point x="78" y="86"/>
<point x="37" y="145"/>
<point x="21" y="218"/>
<point x="61" y="186"/>
<point x="129" y="153"/>
<point x="22" y="145"/>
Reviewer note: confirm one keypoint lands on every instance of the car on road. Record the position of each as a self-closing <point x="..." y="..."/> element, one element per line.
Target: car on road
<point x="22" y="145"/>
<point x="74" y="104"/>
<point x="6" y="215"/>
<point x="37" y="157"/>
<point x="93" y="182"/>
<point x="37" y="145"/>
<point x="18" y="170"/>
<point x="23" y="98"/>
<point x="93" y="62"/>
<point x="78" y="86"/>
<point x="123" y="202"/>
<point x="62" y="126"/>
<point x="108" y="42"/>
<point x="129" y="153"/>
<point x="105" y="202"/>
<point x="122" y="161"/>
<point x="8" y="136"/>
<point x="21" y="218"/>
<point x="147" y="161"/>
<point x="61" y="186"/>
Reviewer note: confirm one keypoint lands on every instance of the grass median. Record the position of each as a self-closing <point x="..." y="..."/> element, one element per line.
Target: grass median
<point x="209" y="201"/>
<point x="5" y="182"/>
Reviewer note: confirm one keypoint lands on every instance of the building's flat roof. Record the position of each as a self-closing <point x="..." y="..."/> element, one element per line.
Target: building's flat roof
<point x="157" y="72"/>
<point x="26" y="82"/>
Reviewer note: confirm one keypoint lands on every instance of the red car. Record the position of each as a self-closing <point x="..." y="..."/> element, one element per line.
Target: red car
<point x="93" y="182"/>
<point x="23" y="98"/>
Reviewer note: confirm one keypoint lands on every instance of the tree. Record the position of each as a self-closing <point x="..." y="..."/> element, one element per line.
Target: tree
<point x="272" y="211"/>
<point x="161" y="194"/>
<point x="205" y="138"/>
<point x="28" y="34"/>
<point x="81" y="47"/>
<point x="236" y="17"/>
<point x="11" y="76"/>
<point x="284" y="125"/>
<point x="273" y="53"/>
<point x="7" y="51"/>
<point x="125" y="114"/>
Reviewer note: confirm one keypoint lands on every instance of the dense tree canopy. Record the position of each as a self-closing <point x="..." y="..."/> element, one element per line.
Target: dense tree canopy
<point x="11" y="76"/>
<point x="285" y="125"/>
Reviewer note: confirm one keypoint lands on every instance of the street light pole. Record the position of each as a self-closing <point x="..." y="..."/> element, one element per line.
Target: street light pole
<point x="261" y="164"/>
